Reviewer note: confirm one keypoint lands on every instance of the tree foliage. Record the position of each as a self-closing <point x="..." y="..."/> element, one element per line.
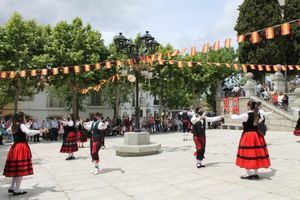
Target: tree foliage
<point x="256" y="15"/>
<point x="292" y="12"/>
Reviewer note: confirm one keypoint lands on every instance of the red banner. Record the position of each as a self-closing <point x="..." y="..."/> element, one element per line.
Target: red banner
<point x="226" y="105"/>
<point x="235" y="106"/>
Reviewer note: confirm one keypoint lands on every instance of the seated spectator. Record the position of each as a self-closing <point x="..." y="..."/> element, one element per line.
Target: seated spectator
<point x="275" y="99"/>
<point x="285" y="102"/>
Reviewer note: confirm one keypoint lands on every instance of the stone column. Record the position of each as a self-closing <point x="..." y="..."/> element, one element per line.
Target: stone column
<point x="249" y="86"/>
<point x="278" y="80"/>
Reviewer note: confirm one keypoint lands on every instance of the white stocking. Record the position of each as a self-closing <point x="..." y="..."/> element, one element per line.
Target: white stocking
<point x="18" y="183"/>
<point x="13" y="183"/>
<point x="248" y="172"/>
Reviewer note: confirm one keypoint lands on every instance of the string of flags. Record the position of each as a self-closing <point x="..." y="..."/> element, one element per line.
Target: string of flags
<point x="149" y="61"/>
<point x="268" y="32"/>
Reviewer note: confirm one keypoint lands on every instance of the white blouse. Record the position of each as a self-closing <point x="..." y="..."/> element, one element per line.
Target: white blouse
<point x="101" y="125"/>
<point x="67" y="123"/>
<point x="244" y="117"/>
<point x="25" y="130"/>
<point x="197" y="118"/>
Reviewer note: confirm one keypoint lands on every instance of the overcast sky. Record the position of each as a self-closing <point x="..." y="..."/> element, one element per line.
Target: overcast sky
<point x="181" y="23"/>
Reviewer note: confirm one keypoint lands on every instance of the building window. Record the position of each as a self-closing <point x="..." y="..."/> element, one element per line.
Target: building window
<point x="54" y="102"/>
<point x="96" y="98"/>
<point x="156" y="101"/>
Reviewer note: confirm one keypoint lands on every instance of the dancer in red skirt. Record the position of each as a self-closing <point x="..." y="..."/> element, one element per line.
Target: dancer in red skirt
<point x="69" y="144"/>
<point x="252" y="152"/>
<point x="81" y="134"/>
<point x="97" y="128"/>
<point x="18" y="161"/>
<point x="199" y="127"/>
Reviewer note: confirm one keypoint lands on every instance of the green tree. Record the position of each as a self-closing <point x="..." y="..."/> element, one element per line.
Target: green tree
<point x="256" y="15"/>
<point x="292" y="12"/>
<point x="74" y="44"/>
<point x="22" y="48"/>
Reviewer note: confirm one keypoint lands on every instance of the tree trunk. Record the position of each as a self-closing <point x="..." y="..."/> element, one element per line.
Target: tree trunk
<point x="17" y="96"/>
<point x="117" y="106"/>
<point x="75" y="102"/>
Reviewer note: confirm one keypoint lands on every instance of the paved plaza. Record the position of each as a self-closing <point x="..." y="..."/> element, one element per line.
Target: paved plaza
<point x="172" y="174"/>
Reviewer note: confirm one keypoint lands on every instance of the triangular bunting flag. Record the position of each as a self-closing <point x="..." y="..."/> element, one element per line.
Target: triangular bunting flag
<point x="193" y="51"/>
<point x="190" y="64"/>
<point x="97" y="66"/>
<point x="254" y="37"/>
<point x="244" y="67"/>
<point x="252" y="67"/>
<point x="65" y="70"/>
<point x="285" y="29"/>
<point x="236" y="67"/>
<point x="216" y="46"/>
<point x="241" y="38"/>
<point x="268" y="68"/>
<point x="182" y="51"/>
<point x="270" y="33"/>
<point x="260" y="68"/>
<point x="76" y="69"/>
<point x="228" y="43"/>
<point x="291" y="67"/>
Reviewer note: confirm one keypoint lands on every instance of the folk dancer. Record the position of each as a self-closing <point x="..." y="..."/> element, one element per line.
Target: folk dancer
<point x="69" y="144"/>
<point x="97" y="128"/>
<point x="199" y="127"/>
<point x="18" y="161"/>
<point x="252" y="151"/>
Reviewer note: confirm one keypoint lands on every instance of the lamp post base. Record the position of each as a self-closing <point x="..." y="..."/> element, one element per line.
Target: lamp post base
<point x="137" y="144"/>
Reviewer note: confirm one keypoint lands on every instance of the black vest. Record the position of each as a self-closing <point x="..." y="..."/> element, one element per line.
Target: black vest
<point x="19" y="136"/>
<point x="96" y="133"/>
<point x="248" y="125"/>
<point x="200" y="127"/>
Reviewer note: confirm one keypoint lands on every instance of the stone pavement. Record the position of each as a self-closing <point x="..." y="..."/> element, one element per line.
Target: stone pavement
<point x="172" y="174"/>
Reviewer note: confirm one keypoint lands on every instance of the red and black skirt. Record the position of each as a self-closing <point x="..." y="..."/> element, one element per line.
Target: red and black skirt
<point x="95" y="146"/>
<point x="81" y="137"/>
<point x="200" y="143"/>
<point x="18" y="161"/>
<point x="252" y="151"/>
<point x="69" y="144"/>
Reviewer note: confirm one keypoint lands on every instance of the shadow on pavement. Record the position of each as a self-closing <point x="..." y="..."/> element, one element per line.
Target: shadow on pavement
<point x="217" y="163"/>
<point x="268" y="175"/>
<point x="108" y="170"/>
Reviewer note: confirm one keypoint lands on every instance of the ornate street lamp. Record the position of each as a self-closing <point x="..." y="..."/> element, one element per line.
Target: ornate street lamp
<point x="127" y="47"/>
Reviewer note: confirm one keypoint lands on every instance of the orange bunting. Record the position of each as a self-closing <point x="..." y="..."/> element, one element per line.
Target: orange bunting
<point x="22" y="73"/>
<point x="118" y="63"/>
<point x="285" y="29"/>
<point x="252" y="67"/>
<point x="298" y="66"/>
<point x="244" y="67"/>
<point x="275" y="68"/>
<point x="218" y="64"/>
<point x="228" y="43"/>
<point x="12" y="74"/>
<point x="190" y="64"/>
<point x="180" y="64"/>
<point x="87" y="68"/>
<point x="97" y="66"/>
<point x="76" y="69"/>
<point x="65" y="70"/>
<point x="260" y="68"/>
<point x="193" y="51"/>
<point x="108" y="65"/>
<point x="283" y="68"/>
<point x="44" y="72"/>
<point x="268" y="68"/>
<point x="171" y="62"/>
<point x="3" y="74"/>
<point x="183" y="51"/>
<point x="159" y="56"/>
<point x="216" y="46"/>
<point x="161" y="62"/>
<point x="236" y="67"/>
<point x="33" y="72"/>
<point x="205" y="48"/>
<point x="227" y="65"/>
<point x="153" y="57"/>
<point x="270" y="33"/>
<point x="199" y="63"/>
<point x="241" y="38"/>
<point x="169" y="55"/>
<point x="175" y="53"/>
<point x="291" y="67"/>
<point x="254" y="37"/>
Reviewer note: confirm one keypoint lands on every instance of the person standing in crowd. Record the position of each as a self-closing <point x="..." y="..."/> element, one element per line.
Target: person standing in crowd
<point x="152" y="123"/>
<point x="157" y="123"/>
<point x="46" y="124"/>
<point x="185" y="123"/>
<point x="81" y="134"/>
<point x="97" y="128"/>
<point x="69" y="144"/>
<point x="280" y="99"/>
<point x="275" y="99"/>
<point x="54" y="129"/>
<point x="18" y="160"/>
<point x="262" y="128"/>
<point x="252" y="151"/>
<point x="199" y="128"/>
<point x="36" y="126"/>
<point x="285" y="102"/>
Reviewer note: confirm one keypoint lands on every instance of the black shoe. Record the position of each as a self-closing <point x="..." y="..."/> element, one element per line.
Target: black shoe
<point x="72" y="158"/>
<point x="255" y="176"/>
<point x="198" y="165"/>
<point x="202" y="165"/>
<point x="248" y="177"/>
<point x="68" y="158"/>
<point x="19" y="193"/>
<point x="10" y="191"/>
